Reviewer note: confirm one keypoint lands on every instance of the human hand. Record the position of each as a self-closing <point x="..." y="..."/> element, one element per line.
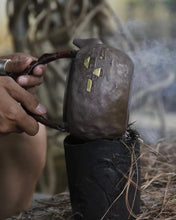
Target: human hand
<point x="19" y="62"/>
<point x="13" y="117"/>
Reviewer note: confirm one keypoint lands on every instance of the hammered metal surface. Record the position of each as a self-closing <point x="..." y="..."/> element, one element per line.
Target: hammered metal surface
<point x="98" y="91"/>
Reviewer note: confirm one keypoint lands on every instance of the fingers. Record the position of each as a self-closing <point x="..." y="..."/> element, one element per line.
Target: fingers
<point x="32" y="90"/>
<point x="32" y="80"/>
<point x="19" y="62"/>
<point x="27" y="123"/>
<point x="39" y="70"/>
<point x="17" y="66"/>
<point x="29" y="81"/>
<point x="15" y="119"/>
<point x="25" y="98"/>
<point x="21" y="120"/>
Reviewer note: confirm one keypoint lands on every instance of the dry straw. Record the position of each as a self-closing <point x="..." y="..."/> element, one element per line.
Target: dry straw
<point x="158" y="188"/>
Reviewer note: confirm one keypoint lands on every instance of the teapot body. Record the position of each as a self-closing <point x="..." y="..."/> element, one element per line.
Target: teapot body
<point x="97" y="93"/>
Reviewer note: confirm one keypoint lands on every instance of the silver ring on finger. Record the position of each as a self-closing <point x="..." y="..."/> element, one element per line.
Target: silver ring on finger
<point x="3" y="64"/>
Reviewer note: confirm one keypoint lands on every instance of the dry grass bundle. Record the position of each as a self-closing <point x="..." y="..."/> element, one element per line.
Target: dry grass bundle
<point x="158" y="188"/>
<point x="158" y="181"/>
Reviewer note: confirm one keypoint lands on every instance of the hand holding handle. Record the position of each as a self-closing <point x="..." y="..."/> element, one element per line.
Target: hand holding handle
<point x="44" y="59"/>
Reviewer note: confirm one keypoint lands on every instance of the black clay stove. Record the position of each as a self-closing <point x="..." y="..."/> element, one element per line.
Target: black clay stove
<point x="98" y="173"/>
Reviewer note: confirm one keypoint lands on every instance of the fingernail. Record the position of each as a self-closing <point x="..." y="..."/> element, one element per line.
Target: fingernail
<point x="38" y="71"/>
<point x="41" y="109"/>
<point x="23" y="80"/>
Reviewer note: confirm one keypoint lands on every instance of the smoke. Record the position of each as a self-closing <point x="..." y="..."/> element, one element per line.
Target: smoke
<point x="154" y="83"/>
<point x="153" y="62"/>
<point x="153" y="89"/>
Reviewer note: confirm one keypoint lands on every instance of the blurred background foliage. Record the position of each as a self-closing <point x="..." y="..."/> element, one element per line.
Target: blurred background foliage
<point x="145" y="30"/>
